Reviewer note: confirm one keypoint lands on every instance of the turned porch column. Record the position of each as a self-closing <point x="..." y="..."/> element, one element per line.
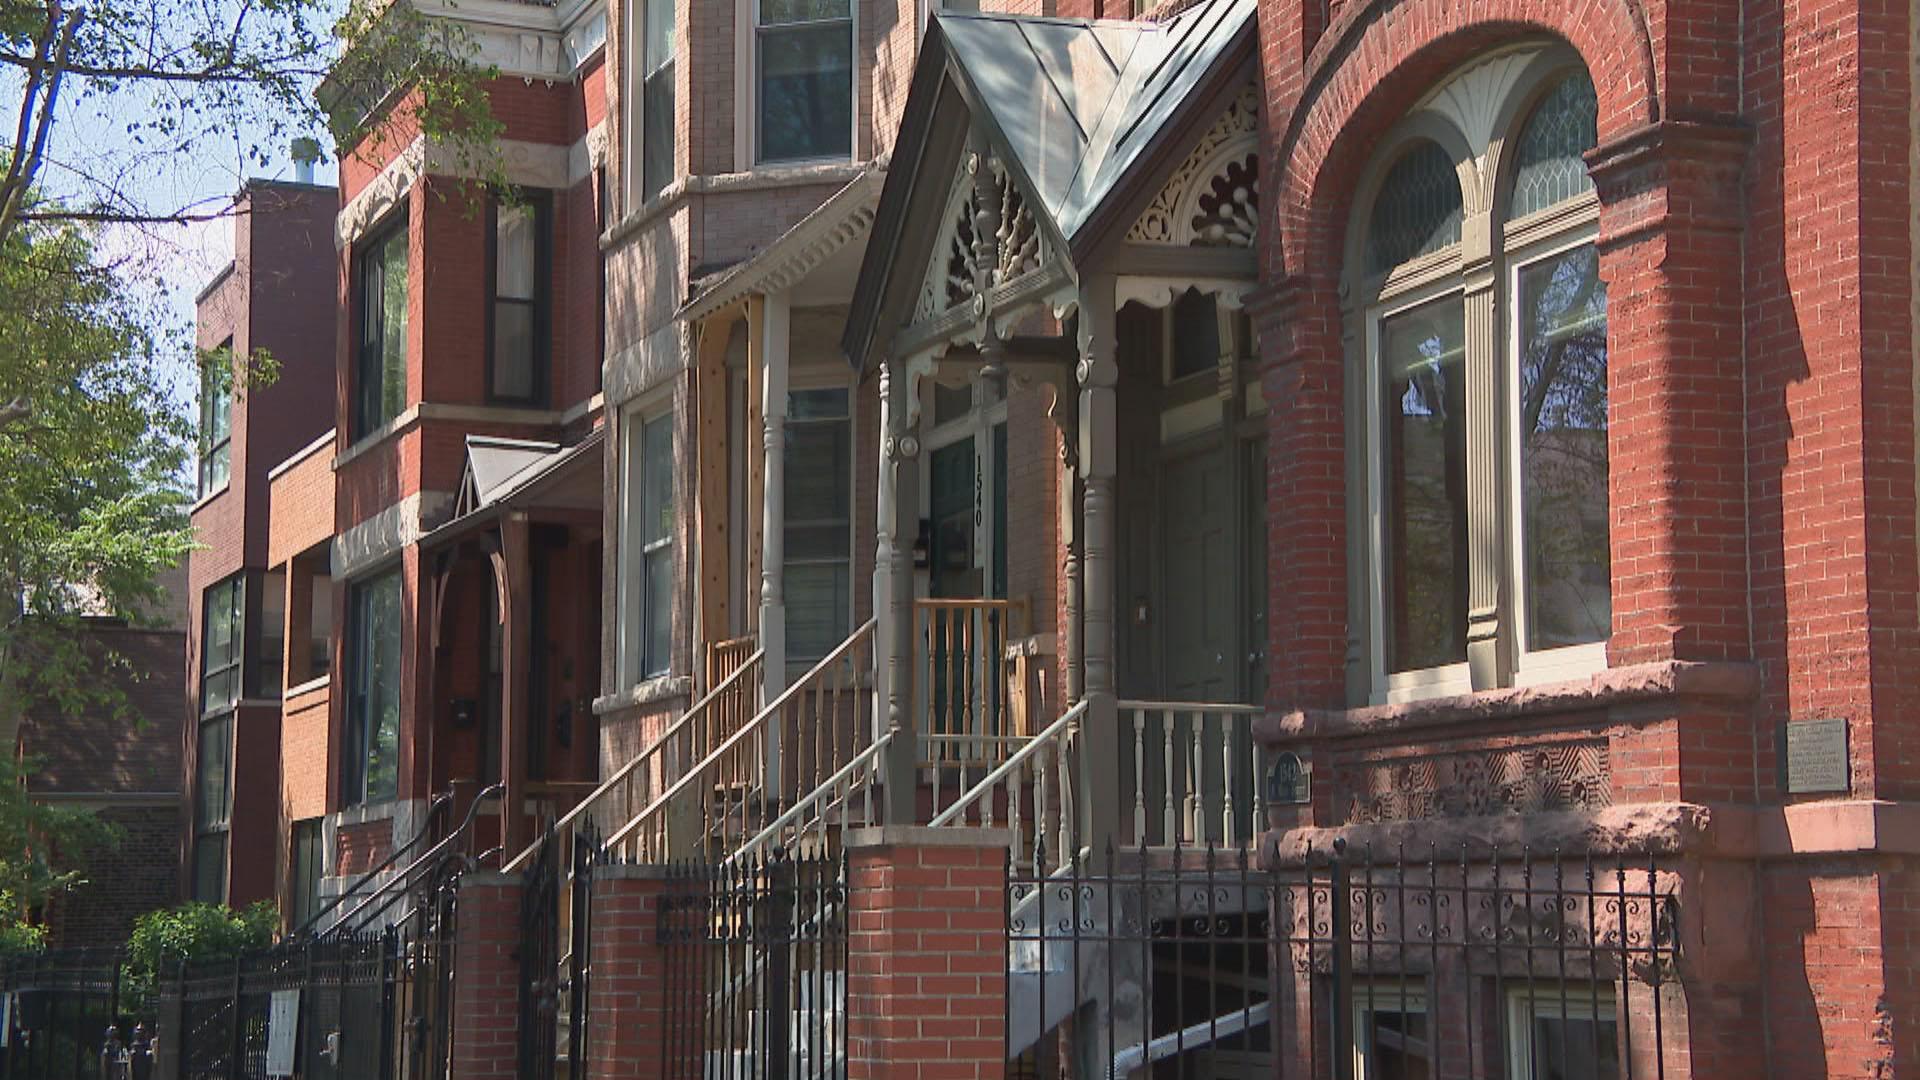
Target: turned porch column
<point x="897" y="527"/>
<point x="1098" y="738"/>
<point x="772" y="355"/>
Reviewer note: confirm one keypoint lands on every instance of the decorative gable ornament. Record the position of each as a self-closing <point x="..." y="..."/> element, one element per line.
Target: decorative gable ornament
<point x="986" y="224"/>
<point x="1213" y="198"/>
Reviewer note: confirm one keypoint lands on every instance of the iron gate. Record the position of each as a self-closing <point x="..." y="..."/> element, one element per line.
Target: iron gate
<point x="556" y="908"/>
<point x="1343" y="966"/>
<point x="66" y="1015"/>
<point x="755" y="956"/>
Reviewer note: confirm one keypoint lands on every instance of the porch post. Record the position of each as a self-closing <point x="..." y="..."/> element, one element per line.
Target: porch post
<point x="897" y="523"/>
<point x="1099" y="795"/>
<point x="774" y="321"/>
<point x="512" y="573"/>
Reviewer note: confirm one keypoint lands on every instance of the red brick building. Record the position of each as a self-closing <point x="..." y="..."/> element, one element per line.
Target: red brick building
<point x="274" y="300"/>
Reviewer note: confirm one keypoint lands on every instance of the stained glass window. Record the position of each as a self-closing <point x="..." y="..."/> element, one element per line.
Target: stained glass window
<point x="1550" y="167"/>
<point x="1417" y="211"/>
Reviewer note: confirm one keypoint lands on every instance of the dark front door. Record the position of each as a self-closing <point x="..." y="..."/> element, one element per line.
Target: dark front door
<point x="1200" y="569"/>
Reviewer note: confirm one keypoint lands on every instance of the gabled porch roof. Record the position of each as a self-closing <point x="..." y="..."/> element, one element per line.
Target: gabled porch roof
<point x="1079" y="113"/>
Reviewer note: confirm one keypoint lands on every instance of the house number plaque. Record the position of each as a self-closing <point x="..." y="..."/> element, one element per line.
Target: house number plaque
<point x="1817" y="757"/>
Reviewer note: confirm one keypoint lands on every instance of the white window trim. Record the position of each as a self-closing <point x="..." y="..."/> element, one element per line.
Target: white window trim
<point x="746" y="91"/>
<point x="1386" y="996"/>
<point x="1533" y="667"/>
<point x="629" y="630"/>
<point x="1395" y="687"/>
<point x="1553" y="1002"/>
<point x="633" y="81"/>
<point x="824" y="380"/>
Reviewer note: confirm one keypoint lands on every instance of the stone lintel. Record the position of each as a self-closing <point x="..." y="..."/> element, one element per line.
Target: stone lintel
<point x="897" y="836"/>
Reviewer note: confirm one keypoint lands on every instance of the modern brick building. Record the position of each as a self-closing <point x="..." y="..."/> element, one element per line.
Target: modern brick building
<point x="273" y="301"/>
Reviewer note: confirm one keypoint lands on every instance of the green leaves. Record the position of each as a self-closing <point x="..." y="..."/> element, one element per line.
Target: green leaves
<point x="195" y="932"/>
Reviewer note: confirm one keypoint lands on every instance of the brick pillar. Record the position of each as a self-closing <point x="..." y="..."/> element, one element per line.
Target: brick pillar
<point x="633" y="1033"/>
<point x="927" y="955"/>
<point x="486" y="978"/>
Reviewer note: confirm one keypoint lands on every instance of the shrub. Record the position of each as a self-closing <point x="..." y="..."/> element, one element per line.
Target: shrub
<point x="193" y="932"/>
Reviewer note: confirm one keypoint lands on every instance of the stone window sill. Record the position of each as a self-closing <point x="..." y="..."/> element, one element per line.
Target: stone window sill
<point x="1635" y="684"/>
<point x="648" y="692"/>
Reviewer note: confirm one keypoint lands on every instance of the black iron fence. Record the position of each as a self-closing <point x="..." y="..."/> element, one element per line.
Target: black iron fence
<point x="1343" y="966"/>
<point x="755" y="957"/>
<point x="65" y="1014"/>
<point x="556" y="926"/>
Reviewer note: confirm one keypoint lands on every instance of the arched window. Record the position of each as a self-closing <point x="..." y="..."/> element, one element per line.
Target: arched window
<point x="1475" y="292"/>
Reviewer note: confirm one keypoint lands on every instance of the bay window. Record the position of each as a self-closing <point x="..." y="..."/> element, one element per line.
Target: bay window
<point x="803" y="75"/>
<point x="222" y="644"/>
<point x="1482" y="394"/>
<point x="372" y="753"/>
<point x="647" y="577"/>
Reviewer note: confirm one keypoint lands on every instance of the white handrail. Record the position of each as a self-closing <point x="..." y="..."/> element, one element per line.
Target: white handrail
<point x="824" y="790"/>
<point x="566" y="821"/>
<point x="1013" y="762"/>
<point x="746" y="729"/>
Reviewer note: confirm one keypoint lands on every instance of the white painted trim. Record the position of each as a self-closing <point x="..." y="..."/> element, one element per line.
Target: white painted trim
<point x="746" y="112"/>
<point x="1553" y="1001"/>
<point x="634" y="416"/>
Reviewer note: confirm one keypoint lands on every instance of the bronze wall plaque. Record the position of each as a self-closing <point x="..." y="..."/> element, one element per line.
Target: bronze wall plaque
<point x="1816" y="758"/>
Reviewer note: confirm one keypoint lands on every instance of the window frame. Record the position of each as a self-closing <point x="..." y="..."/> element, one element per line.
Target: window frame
<point x="1507" y="247"/>
<point x="1559" y="1001"/>
<point x="210" y="450"/>
<point x="360" y="732"/>
<point x="219" y="829"/>
<point x="1533" y="666"/>
<point x="635" y="75"/>
<point x="637" y="651"/>
<point x="1388" y="686"/>
<point x="367" y="420"/>
<point x="803" y="383"/>
<point x="540" y="202"/>
<point x="748" y="83"/>
<point x="1406" y="997"/>
<point x="236" y="665"/>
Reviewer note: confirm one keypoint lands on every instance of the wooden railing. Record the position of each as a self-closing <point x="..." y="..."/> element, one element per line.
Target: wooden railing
<point x="1043" y="768"/>
<point x="971" y="716"/>
<point x="634" y="785"/>
<point x="787" y="751"/>
<point x="1191" y="774"/>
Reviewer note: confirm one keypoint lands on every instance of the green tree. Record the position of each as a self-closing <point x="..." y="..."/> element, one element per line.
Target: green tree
<point x="193" y="931"/>
<point x="91" y="510"/>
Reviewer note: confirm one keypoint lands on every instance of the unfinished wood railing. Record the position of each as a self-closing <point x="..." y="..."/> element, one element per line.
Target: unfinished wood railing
<point x="970" y="714"/>
<point x="1032" y="791"/>
<point x="786" y="752"/>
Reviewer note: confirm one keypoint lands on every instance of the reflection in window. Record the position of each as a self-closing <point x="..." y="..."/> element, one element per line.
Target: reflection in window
<point x="648" y="614"/>
<point x="1424" y="513"/>
<point x="216" y="419"/>
<point x="804" y="53"/>
<point x="373" y="702"/>
<point x="1563" y="1035"/>
<point x="382" y="369"/>
<point x="657" y="100"/>
<point x="1390" y="1036"/>
<point x="223" y="633"/>
<point x="1563" y="449"/>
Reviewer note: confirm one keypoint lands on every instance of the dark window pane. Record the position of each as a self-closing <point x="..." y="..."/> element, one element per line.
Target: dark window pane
<point x="1196" y="334"/>
<point x="1417" y="211"/>
<point x="1424" y="494"/>
<point x="513" y="345"/>
<point x="776" y="12"/>
<point x="213" y="774"/>
<point x="1563" y="450"/>
<point x="374" y="695"/>
<point x="659" y="611"/>
<point x="817" y="609"/>
<point x="270" y="664"/>
<point x="656" y="127"/>
<point x="210" y="868"/>
<point x="307" y="869"/>
<point x="656" y="505"/>
<point x="1576" y="1048"/>
<point x="806" y="92"/>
